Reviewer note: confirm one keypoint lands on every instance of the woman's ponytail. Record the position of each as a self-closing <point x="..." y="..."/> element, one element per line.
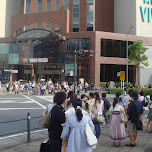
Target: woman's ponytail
<point x="79" y="113"/>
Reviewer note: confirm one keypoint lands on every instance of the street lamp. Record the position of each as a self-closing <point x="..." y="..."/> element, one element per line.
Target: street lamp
<point x="127" y="59"/>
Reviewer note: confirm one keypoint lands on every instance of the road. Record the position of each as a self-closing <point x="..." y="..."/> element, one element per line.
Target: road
<point x="14" y="107"/>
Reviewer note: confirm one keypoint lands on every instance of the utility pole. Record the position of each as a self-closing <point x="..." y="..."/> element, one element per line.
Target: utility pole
<point x="75" y="64"/>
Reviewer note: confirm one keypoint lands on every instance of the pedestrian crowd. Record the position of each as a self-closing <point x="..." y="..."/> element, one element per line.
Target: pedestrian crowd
<point x="42" y="87"/>
<point x="70" y="115"/>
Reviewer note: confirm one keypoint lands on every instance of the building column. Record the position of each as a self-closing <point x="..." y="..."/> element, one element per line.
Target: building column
<point x="97" y="59"/>
<point x="32" y="72"/>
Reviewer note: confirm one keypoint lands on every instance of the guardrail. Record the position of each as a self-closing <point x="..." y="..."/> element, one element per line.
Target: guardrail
<point x="27" y="131"/>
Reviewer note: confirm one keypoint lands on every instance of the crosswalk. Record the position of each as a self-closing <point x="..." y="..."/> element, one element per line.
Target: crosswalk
<point x="47" y="98"/>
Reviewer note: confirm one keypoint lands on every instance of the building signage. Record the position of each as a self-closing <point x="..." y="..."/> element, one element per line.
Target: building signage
<point x="35" y="60"/>
<point x="146" y="12"/>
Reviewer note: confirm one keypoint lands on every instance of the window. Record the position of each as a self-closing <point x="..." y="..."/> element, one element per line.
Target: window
<point x="39" y="5"/>
<point x="57" y="4"/>
<point x="48" y="5"/>
<point x="66" y="4"/>
<point x="48" y="26"/>
<point x="27" y="27"/>
<point x="76" y="14"/>
<point x="39" y="25"/>
<point x="56" y="28"/>
<point x="28" y="6"/>
<point x="90" y="13"/>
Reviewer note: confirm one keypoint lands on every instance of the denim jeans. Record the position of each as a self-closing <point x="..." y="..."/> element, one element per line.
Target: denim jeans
<point x="97" y="128"/>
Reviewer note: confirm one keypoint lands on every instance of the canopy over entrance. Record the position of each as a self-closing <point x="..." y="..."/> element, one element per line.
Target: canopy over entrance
<point x="38" y="34"/>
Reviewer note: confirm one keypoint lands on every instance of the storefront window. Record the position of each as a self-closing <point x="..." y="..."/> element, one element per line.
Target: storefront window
<point x="57" y="4"/>
<point x="76" y="15"/>
<point x="90" y="13"/>
<point x="48" y="5"/>
<point x="39" y="5"/>
<point x="28" y="7"/>
<point x="66" y="4"/>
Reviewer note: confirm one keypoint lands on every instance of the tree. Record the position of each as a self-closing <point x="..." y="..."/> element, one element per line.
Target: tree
<point x="137" y="54"/>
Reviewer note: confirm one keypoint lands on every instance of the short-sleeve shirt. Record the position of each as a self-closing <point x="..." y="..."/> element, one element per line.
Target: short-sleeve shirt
<point x="57" y="119"/>
<point x="71" y="111"/>
<point x="118" y="108"/>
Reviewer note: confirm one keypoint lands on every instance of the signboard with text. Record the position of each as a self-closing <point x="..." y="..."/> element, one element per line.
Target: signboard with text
<point x="122" y="75"/>
<point x="35" y="60"/>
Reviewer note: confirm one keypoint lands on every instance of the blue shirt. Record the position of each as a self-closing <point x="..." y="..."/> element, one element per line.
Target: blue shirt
<point x="131" y="110"/>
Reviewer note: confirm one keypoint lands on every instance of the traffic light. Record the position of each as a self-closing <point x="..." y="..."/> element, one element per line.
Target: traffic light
<point x="83" y="52"/>
<point x="68" y="73"/>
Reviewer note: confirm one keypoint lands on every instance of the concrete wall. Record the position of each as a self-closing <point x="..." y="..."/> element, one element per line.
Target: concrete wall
<point x="2" y="17"/>
<point x="124" y="16"/>
<point x="146" y="73"/>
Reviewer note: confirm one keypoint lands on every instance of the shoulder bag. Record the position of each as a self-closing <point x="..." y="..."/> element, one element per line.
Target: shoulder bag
<point x="45" y="121"/>
<point x="122" y="118"/>
<point x="98" y="118"/>
<point x="139" y="124"/>
<point x="91" y="138"/>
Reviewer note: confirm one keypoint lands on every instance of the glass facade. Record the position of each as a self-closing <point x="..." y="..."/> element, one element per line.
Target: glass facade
<point x="76" y="15"/>
<point x="39" y="25"/>
<point x="46" y="57"/>
<point x="113" y="48"/>
<point x="108" y="72"/>
<point x="48" y="26"/>
<point x="39" y="5"/>
<point x="66" y="4"/>
<point x="28" y="7"/>
<point x="90" y="14"/>
<point x="48" y="5"/>
<point x="57" y="4"/>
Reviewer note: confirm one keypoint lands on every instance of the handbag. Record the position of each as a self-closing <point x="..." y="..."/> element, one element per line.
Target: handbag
<point x="44" y="147"/>
<point x="139" y="124"/>
<point x="91" y="138"/>
<point x="99" y="118"/>
<point x="45" y="121"/>
<point x="122" y="118"/>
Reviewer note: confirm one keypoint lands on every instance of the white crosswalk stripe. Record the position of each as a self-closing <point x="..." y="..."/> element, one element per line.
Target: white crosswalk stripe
<point x="47" y="98"/>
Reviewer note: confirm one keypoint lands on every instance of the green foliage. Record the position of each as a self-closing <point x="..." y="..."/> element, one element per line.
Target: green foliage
<point x="147" y="91"/>
<point x="114" y="90"/>
<point x="137" y="54"/>
<point x="102" y="84"/>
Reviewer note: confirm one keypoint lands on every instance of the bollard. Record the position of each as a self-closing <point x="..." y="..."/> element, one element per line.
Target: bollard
<point x="28" y="127"/>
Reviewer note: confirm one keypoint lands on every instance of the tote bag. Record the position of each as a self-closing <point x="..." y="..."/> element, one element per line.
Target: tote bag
<point x="91" y="138"/>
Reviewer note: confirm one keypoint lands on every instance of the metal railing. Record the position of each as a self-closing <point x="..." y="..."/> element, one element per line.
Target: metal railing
<point x="26" y="131"/>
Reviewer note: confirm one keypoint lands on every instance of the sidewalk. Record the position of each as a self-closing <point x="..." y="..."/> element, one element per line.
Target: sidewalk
<point x="143" y="144"/>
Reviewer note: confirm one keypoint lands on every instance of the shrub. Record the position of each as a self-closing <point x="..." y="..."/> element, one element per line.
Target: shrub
<point x="114" y="90"/>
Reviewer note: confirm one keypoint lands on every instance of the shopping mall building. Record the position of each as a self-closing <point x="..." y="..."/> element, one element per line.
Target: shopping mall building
<point x="40" y="37"/>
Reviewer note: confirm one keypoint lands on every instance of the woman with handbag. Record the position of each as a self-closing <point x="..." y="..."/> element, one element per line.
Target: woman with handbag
<point x="117" y="127"/>
<point x="98" y="108"/>
<point x="74" y="131"/>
